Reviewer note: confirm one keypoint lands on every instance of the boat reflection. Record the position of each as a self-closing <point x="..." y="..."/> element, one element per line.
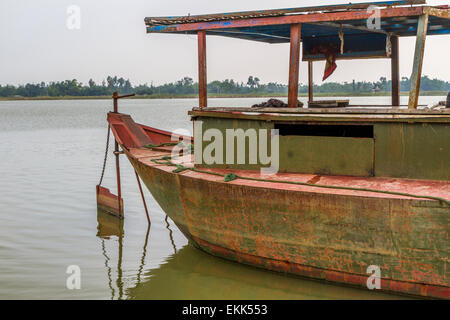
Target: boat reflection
<point x="108" y="226"/>
<point x="192" y="274"/>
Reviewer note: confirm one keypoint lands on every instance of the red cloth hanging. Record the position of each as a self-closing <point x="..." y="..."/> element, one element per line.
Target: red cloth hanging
<point x="330" y="52"/>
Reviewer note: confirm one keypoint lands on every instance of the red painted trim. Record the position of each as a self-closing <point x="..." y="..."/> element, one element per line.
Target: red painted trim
<point x="164" y="136"/>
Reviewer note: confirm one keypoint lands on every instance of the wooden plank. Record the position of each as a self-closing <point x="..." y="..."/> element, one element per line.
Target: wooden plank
<point x="412" y="150"/>
<point x="325" y="116"/>
<point x="438" y="12"/>
<point x="327" y="155"/>
<point x="329" y="104"/>
<point x="395" y="71"/>
<point x="368" y="109"/>
<point x="310" y="82"/>
<point x="294" y="65"/>
<point x="202" y="79"/>
<point x="422" y="27"/>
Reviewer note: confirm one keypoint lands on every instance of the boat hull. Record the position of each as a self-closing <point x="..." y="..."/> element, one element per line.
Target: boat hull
<point x="317" y="235"/>
<point x="328" y="233"/>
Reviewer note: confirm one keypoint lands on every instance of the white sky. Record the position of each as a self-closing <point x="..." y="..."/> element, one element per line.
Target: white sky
<point x="36" y="45"/>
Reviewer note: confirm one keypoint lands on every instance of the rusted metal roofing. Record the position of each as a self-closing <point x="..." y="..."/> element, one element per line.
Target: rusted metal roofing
<point x="152" y="21"/>
<point x="273" y="26"/>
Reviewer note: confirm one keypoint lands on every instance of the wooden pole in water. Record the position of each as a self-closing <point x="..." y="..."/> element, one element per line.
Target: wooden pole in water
<point x="294" y="65"/>
<point x="310" y="82"/>
<point x="117" y="153"/>
<point x="422" y="27"/>
<point x="395" y="71"/>
<point x="142" y="196"/>
<point x="119" y="188"/>
<point x="202" y="80"/>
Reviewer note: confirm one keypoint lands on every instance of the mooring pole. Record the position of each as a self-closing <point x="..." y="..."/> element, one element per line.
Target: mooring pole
<point x="119" y="188"/>
<point x="117" y="153"/>
<point x="115" y="101"/>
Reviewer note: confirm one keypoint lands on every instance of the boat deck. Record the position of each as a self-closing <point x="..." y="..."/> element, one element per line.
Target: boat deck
<point x="424" y="188"/>
<point x="134" y="137"/>
<point x="353" y="114"/>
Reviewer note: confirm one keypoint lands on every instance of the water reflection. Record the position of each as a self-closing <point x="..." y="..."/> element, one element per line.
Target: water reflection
<point x="144" y="254"/>
<point x="170" y="234"/>
<point x="192" y="274"/>
<point x="109" y="226"/>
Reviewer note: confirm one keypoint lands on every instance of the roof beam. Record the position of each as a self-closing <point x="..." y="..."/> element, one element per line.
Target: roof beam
<point x="289" y="19"/>
<point x="349" y="26"/>
<point x="275" y="12"/>
<point x="267" y="35"/>
<point x="438" y="12"/>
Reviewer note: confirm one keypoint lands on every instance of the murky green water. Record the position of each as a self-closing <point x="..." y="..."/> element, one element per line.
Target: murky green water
<point x="51" y="156"/>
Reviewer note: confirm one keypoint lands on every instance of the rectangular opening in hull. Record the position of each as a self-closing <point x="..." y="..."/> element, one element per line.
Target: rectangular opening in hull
<point x="318" y="130"/>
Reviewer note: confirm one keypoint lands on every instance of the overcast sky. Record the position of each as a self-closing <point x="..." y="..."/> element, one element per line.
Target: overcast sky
<point x="36" y="45"/>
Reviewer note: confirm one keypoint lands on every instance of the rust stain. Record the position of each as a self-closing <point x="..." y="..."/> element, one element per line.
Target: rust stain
<point x="314" y="180"/>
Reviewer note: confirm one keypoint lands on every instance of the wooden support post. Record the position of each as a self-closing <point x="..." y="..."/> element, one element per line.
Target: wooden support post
<point x="115" y="101"/>
<point x="294" y="65"/>
<point x="202" y="82"/>
<point x="395" y="72"/>
<point x="310" y="82"/>
<point x="422" y="28"/>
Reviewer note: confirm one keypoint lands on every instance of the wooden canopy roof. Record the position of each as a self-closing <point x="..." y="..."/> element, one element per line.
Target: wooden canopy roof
<point x="399" y="18"/>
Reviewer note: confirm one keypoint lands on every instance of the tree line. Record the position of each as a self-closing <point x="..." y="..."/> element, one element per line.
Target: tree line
<point x="187" y="86"/>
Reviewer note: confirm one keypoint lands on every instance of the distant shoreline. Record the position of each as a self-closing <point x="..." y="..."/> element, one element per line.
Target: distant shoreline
<point x="211" y="95"/>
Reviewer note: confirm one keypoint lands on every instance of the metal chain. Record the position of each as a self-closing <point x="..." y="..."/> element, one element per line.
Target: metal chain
<point x="106" y="156"/>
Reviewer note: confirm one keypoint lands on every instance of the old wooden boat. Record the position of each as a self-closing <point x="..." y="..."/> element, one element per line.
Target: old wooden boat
<point x="357" y="188"/>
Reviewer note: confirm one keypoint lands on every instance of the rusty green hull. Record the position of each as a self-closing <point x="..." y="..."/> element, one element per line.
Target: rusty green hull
<point x="306" y="231"/>
<point x="323" y="236"/>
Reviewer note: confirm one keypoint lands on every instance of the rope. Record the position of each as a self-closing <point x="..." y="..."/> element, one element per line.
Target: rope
<point x="166" y="144"/>
<point x="341" y="37"/>
<point x="388" y="44"/>
<point x="106" y="156"/>
<point x="231" y="176"/>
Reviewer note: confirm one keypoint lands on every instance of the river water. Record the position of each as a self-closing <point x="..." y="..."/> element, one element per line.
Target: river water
<point x="51" y="158"/>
